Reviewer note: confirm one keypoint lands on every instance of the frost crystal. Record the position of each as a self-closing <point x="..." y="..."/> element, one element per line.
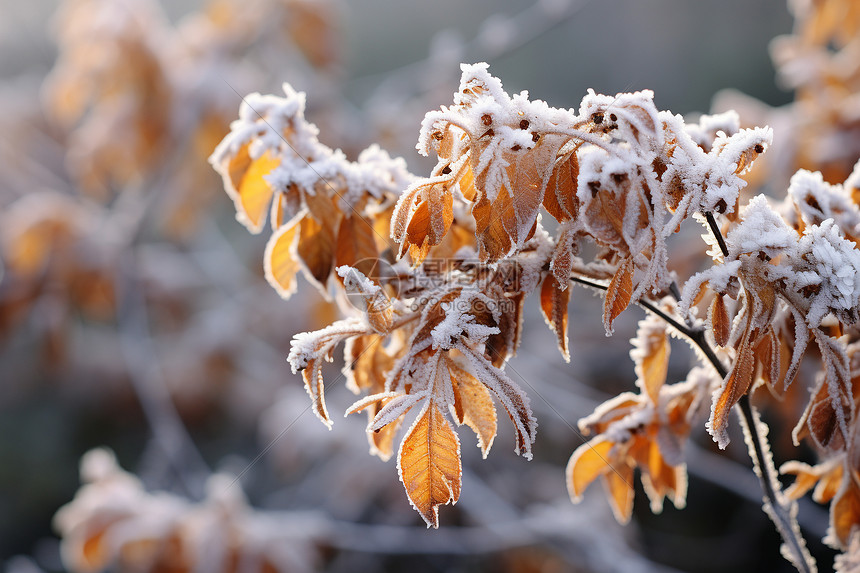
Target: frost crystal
<point x="827" y="270"/>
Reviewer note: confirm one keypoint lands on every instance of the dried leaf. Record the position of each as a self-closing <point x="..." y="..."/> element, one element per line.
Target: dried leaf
<point x="476" y="408"/>
<point x="356" y="245"/>
<point x="429" y="464"/>
<point x="720" y="323"/>
<point x="845" y="511"/>
<point x="619" y="486"/>
<point x="251" y="193"/>
<point x="279" y="262"/>
<point x="553" y="304"/>
<point x="618" y="293"/>
<point x="589" y="461"/>
<point x="503" y="345"/>
<point x="312" y="375"/>
<point x="651" y="356"/>
<point x="736" y="385"/>
<point x="514" y="400"/>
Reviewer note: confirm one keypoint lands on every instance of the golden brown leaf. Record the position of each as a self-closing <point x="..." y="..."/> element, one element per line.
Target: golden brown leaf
<point x="736" y="385"/>
<point x="619" y="486"/>
<point x="493" y="222"/>
<point x="845" y="511"/>
<point x="474" y="406"/>
<point x="429" y="464"/>
<point x="720" y="323"/>
<point x="356" y="245"/>
<point x="251" y="193"/>
<point x="553" y="304"/>
<point x="652" y="358"/>
<point x="279" y="262"/>
<point x="618" y="293"/>
<point x="589" y="461"/>
<point x="316" y="247"/>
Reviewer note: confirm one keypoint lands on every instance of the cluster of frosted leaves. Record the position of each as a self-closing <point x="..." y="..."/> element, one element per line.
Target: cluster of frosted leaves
<point x="431" y="347"/>
<point x="787" y="284"/>
<point x="836" y="479"/>
<point x="325" y="211"/>
<point x="433" y="331"/>
<point x="647" y="430"/>
<point x="618" y="172"/>
<point x="113" y="522"/>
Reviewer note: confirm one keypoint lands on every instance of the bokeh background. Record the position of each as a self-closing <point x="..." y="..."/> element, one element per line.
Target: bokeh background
<point x="143" y="324"/>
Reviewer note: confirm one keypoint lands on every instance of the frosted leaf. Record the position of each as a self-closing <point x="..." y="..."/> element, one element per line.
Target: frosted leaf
<point x="355" y="281"/>
<point x="762" y="229"/>
<point x="818" y="200"/>
<point x="459" y="322"/>
<point x="827" y="270"/>
<point x="511" y="396"/>
<point x="708" y="127"/>
<point x="394" y="409"/>
<point x="306" y="346"/>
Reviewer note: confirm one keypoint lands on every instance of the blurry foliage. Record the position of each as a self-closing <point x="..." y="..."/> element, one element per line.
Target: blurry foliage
<point x="134" y="315"/>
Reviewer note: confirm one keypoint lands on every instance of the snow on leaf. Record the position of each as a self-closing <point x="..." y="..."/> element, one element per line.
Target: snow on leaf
<point x="429" y="464"/>
<point x="378" y="309"/>
<point x="308" y="350"/>
<point x="396" y="406"/>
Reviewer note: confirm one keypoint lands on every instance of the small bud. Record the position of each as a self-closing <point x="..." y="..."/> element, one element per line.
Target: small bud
<point x="487" y="119"/>
<point x="759" y="148"/>
<point x="524" y="124"/>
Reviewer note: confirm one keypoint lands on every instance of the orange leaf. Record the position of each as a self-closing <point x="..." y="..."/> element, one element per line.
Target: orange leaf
<point x="651" y="355"/>
<point x="476" y="408"/>
<point x="316" y="248"/>
<point x="845" y="511"/>
<point x="251" y="193"/>
<point x="429" y="464"/>
<point x="618" y="294"/>
<point x="806" y="477"/>
<point x="736" y="385"/>
<point x="495" y="224"/>
<point x="619" y="486"/>
<point x="356" y="245"/>
<point x="95" y="554"/>
<point x="720" y="323"/>
<point x="553" y="304"/>
<point x="590" y="460"/>
<point x="279" y="262"/>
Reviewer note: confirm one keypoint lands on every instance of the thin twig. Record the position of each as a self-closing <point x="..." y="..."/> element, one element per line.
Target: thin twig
<point x="715" y="230"/>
